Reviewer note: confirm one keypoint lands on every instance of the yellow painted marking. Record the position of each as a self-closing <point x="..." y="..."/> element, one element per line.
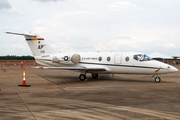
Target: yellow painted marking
<point x="78" y="79"/>
<point x="86" y="80"/>
<point x="34" y="39"/>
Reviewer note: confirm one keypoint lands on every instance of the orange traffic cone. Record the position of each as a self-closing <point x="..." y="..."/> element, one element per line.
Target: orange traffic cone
<point x="24" y="79"/>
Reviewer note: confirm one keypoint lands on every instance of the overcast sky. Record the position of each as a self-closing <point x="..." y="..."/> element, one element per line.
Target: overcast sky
<point x="92" y="25"/>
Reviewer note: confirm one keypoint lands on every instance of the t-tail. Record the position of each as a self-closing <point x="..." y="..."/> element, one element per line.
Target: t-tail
<point x="37" y="44"/>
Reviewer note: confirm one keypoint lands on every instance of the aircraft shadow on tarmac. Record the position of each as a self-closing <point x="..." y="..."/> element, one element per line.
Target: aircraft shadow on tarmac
<point x="73" y="78"/>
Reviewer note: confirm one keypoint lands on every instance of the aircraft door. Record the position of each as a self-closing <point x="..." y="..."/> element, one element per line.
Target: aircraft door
<point x="118" y="58"/>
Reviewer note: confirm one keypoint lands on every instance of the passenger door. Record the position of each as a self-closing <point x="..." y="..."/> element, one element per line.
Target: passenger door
<point x="118" y="58"/>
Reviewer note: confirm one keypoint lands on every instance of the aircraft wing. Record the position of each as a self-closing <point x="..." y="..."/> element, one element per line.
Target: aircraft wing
<point x="73" y="68"/>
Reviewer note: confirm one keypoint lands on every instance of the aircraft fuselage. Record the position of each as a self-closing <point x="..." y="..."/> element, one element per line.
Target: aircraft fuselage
<point x="114" y="62"/>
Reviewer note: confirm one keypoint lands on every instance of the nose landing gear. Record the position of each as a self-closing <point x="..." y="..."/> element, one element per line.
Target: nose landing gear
<point x="157" y="79"/>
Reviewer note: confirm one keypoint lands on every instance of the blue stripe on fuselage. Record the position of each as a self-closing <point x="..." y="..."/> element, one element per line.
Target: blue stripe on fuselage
<point x="28" y="39"/>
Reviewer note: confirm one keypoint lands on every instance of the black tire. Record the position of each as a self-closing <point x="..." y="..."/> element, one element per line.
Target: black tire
<point x="95" y="75"/>
<point x="157" y="79"/>
<point x="82" y="77"/>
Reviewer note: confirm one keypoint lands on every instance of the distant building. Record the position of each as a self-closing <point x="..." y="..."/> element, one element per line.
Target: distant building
<point x="160" y="56"/>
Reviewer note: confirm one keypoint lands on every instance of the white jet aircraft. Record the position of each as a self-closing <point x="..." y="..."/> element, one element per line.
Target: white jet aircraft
<point x="95" y="62"/>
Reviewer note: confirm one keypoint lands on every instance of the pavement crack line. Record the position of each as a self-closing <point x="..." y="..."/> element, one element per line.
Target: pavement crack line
<point x="62" y="88"/>
<point x="46" y="79"/>
<point x="26" y="106"/>
<point x="3" y="69"/>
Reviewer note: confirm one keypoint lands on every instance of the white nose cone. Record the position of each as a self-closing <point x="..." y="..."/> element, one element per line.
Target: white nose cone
<point x="173" y="69"/>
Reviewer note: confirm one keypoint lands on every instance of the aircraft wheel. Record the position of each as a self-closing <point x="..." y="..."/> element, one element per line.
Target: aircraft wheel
<point x="95" y="75"/>
<point x="157" y="79"/>
<point x="82" y="77"/>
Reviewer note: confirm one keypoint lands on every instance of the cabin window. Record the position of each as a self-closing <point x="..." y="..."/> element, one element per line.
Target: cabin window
<point x="137" y="57"/>
<point x="108" y="58"/>
<point x="127" y="59"/>
<point x="100" y="58"/>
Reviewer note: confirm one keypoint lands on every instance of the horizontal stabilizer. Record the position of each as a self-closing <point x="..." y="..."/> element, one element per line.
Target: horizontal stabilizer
<point x="73" y="68"/>
<point x="30" y="35"/>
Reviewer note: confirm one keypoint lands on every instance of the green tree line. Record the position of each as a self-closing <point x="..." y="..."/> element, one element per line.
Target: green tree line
<point x="14" y="57"/>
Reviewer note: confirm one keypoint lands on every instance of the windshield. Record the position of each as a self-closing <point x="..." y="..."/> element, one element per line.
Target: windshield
<point x="145" y="58"/>
<point x="137" y="57"/>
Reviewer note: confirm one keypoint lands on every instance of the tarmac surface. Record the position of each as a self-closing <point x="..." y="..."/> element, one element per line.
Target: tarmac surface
<point x="56" y="94"/>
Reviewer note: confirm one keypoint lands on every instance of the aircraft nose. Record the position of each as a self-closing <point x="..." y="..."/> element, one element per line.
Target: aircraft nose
<point x="173" y="69"/>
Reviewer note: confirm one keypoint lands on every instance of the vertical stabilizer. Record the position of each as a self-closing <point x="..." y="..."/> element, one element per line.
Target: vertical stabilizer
<point x="37" y="44"/>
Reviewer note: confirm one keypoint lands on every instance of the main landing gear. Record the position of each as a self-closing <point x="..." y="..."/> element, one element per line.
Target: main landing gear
<point x="82" y="77"/>
<point x="94" y="75"/>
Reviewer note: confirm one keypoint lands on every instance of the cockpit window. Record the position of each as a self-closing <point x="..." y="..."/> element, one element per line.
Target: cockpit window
<point x="145" y="58"/>
<point x="137" y="57"/>
<point x="140" y="57"/>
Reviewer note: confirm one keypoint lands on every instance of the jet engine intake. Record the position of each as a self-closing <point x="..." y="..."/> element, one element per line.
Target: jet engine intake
<point x="76" y="58"/>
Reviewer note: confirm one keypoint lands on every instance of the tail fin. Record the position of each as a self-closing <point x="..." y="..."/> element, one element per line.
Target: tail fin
<point x="37" y="44"/>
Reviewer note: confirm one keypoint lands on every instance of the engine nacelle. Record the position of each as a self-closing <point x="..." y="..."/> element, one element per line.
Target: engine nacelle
<point x="55" y="60"/>
<point x="75" y="58"/>
<point x="67" y="59"/>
